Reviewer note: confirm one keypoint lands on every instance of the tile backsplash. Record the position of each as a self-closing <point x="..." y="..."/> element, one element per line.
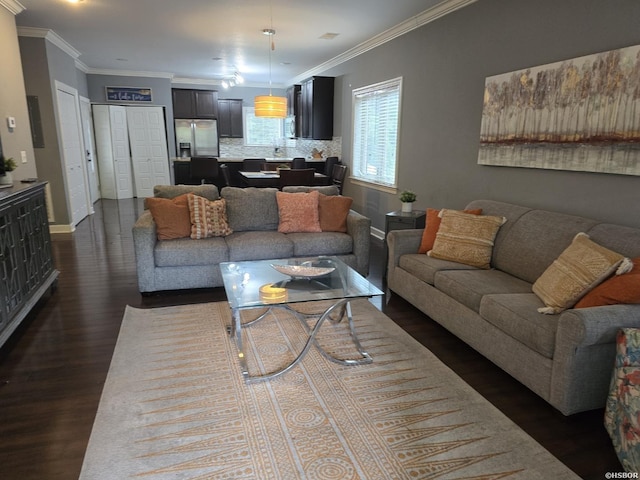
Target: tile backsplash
<point x="287" y="148"/>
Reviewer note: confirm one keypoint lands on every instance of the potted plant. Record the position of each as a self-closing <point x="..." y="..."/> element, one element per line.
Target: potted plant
<point x="407" y="197"/>
<point x="9" y="166"/>
<point x="283" y="166"/>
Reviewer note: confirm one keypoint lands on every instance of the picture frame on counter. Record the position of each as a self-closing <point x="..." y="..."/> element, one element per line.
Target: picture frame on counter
<point x="128" y="94"/>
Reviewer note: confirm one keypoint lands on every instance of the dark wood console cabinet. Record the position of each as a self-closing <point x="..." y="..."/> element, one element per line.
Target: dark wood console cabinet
<point x="26" y="263"/>
<point x="194" y="103"/>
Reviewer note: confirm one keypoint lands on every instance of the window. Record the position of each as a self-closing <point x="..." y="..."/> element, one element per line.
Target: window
<point x="261" y="130"/>
<point x="376" y="117"/>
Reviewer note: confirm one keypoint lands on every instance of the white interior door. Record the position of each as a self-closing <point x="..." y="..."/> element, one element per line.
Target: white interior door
<point x="90" y="154"/>
<point x="121" y="152"/>
<point x="72" y="149"/>
<point x="104" y="150"/>
<point x="148" y="139"/>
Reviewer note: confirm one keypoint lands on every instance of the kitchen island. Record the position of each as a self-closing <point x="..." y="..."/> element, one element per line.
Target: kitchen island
<point x="181" y="168"/>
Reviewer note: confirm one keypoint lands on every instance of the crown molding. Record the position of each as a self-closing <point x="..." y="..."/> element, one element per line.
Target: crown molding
<point x="13" y="6"/>
<point x="407" y="26"/>
<point x="50" y="35"/>
<point x="128" y="73"/>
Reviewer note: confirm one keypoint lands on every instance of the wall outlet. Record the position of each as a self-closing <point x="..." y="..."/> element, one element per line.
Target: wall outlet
<point x="23" y="156"/>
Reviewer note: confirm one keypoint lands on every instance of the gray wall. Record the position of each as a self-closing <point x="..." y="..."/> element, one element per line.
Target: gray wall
<point x="13" y="101"/>
<point x="444" y="65"/>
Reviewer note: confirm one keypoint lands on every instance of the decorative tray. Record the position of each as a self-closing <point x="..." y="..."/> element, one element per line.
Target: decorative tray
<point x="302" y="271"/>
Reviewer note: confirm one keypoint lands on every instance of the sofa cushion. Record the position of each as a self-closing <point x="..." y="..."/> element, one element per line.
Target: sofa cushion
<point x="251" y="209"/>
<point x="298" y="212"/>
<point x="469" y="286"/>
<point x="210" y="192"/>
<point x="535" y="240"/>
<point x="516" y="315"/>
<point x="466" y="238"/>
<point x="208" y="217"/>
<point x="333" y="211"/>
<point x="425" y="267"/>
<point x="185" y="252"/>
<point x="617" y="289"/>
<point x="324" y="243"/>
<point x="258" y="245"/>
<point x="580" y="267"/>
<point x="171" y="216"/>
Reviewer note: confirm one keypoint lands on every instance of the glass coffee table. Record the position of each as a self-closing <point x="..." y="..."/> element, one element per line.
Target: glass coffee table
<point x="283" y="283"/>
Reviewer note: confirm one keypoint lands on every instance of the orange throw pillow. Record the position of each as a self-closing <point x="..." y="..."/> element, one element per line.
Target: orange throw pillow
<point x="623" y="288"/>
<point x="298" y="212"/>
<point x="333" y="211"/>
<point x="171" y="216"/>
<point x="432" y="227"/>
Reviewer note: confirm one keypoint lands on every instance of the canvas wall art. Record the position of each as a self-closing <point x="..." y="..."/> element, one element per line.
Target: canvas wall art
<point x="581" y="114"/>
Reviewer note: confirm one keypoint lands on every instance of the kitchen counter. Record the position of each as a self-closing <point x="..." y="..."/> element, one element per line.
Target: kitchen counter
<point x="239" y="160"/>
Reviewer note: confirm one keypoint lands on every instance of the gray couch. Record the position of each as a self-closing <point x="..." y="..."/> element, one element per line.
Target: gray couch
<point x="565" y="358"/>
<point x="253" y="215"/>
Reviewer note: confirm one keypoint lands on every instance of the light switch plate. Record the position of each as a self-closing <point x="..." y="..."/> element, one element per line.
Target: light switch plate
<point x="23" y="156"/>
<point x="11" y="122"/>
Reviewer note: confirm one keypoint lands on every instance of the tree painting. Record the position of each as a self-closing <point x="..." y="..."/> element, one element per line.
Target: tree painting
<point x="580" y="114"/>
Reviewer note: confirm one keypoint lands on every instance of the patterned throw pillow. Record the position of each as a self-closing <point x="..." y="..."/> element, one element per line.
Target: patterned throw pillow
<point x="466" y="238"/>
<point x="432" y="227"/>
<point x="208" y="217"/>
<point x="333" y="211"/>
<point x="579" y="268"/>
<point x="298" y="212"/>
<point x="171" y="216"/>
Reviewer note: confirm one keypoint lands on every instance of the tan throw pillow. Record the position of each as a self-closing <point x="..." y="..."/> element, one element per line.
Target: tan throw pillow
<point x="171" y="216"/>
<point x="298" y="212"/>
<point x="579" y="268"/>
<point x="333" y="211"/>
<point x="208" y="217"/>
<point x="433" y="225"/>
<point x="466" y="238"/>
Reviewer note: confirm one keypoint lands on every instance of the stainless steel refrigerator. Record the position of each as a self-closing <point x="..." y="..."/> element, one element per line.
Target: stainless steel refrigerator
<point x="201" y="136"/>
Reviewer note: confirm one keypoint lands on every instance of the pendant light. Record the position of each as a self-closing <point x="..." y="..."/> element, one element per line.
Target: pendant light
<point x="267" y="105"/>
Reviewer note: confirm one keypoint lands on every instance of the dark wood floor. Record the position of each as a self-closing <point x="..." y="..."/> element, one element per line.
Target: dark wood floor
<point x="53" y="368"/>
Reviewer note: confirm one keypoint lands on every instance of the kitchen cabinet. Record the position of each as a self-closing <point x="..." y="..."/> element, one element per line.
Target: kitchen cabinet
<point x="230" y="118"/>
<point x="293" y="109"/>
<point x="194" y="103"/>
<point x="26" y="263"/>
<point x="316" y="108"/>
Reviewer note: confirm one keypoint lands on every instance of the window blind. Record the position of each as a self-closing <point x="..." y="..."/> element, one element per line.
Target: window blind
<point x="376" y="114"/>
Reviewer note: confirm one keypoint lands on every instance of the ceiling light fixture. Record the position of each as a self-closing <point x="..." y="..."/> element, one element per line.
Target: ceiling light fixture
<point x="235" y="79"/>
<point x="268" y="105"/>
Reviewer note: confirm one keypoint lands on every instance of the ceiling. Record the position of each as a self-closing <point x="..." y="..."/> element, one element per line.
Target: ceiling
<point x="208" y="40"/>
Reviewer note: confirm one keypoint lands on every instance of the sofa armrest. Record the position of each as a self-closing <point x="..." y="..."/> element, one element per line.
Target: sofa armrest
<point x="596" y="325"/>
<point x="359" y="227"/>
<point x="401" y="242"/>
<point x="144" y="241"/>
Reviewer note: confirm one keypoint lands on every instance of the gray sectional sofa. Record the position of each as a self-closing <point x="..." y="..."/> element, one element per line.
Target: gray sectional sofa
<point x="253" y="215"/>
<point x="565" y="358"/>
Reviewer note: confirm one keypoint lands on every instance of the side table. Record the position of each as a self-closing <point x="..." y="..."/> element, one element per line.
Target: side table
<point x="399" y="220"/>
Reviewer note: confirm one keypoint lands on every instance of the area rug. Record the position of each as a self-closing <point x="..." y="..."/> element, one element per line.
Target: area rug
<point x="175" y="406"/>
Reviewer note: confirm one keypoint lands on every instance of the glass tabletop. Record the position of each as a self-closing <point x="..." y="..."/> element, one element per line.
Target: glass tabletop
<point x="266" y="282"/>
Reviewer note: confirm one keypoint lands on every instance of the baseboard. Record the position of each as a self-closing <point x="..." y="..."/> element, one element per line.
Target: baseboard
<point x="61" y="229"/>
<point x="377" y="233"/>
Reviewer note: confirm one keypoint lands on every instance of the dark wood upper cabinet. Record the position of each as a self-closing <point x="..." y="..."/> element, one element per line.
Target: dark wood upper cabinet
<point x="195" y="103"/>
<point x="230" y="118"/>
<point x="316" y="108"/>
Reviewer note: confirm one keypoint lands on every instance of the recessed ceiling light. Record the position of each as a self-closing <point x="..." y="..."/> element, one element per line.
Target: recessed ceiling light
<point x="329" y="36"/>
<point x="217" y="59"/>
<point x="75" y="1"/>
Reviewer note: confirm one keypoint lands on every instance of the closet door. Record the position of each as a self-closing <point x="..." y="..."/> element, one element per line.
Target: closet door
<point x="148" y="139"/>
<point x="121" y="155"/>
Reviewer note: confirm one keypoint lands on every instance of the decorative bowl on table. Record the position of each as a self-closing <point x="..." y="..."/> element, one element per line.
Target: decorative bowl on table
<point x="302" y="271"/>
